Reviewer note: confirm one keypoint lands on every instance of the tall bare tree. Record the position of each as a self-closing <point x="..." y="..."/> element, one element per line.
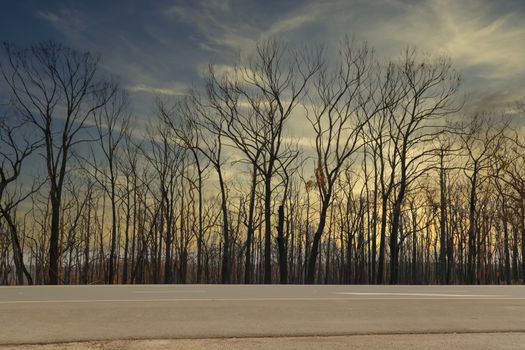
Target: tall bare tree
<point x="272" y="83"/>
<point x="111" y="121"/>
<point x="15" y="147"/>
<point x="337" y="121"/>
<point x="430" y="87"/>
<point x="56" y="90"/>
<point x="481" y="140"/>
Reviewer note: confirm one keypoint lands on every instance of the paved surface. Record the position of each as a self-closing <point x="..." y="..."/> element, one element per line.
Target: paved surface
<point x="37" y="315"/>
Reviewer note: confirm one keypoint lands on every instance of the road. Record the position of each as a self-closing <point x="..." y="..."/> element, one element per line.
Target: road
<point x="47" y="314"/>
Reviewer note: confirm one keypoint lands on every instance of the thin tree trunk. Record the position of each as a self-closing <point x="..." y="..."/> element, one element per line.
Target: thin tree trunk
<point x="283" y="268"/>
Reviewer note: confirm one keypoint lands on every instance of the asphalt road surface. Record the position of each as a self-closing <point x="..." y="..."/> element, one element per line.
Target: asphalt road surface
<point x="47" y="314"/>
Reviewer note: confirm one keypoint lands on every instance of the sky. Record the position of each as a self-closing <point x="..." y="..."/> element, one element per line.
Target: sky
<point x="163" y="47"/>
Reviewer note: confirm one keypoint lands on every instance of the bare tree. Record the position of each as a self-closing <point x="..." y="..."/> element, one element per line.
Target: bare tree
<point x="337" y="122"/>
<point x="430" y="88"/>
<point x="245" y="130"/>
<point x="167" y="160"/>
<point x="219" y="188"/>
<point x="197" y="126"/>
<point x="111" y="121"/>
<point x="481" y="140"/>
<point x="190" y="138"/>
<point x="15" y="147"/>
<point x="56" y="90"/>
<point x="272" y="84"/>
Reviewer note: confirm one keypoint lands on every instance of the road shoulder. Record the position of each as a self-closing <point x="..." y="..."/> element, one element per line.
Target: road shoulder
<point x="480" y="341"/>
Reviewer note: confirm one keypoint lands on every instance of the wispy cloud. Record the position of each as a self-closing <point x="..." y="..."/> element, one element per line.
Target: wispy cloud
<point x="293" y="22"/>
<point x="487" y="46"/>
<point x="64" y="20"/>
<point x="170" y="91"/>
<point x="157" y="47"/>
<point x="214" y="22"/>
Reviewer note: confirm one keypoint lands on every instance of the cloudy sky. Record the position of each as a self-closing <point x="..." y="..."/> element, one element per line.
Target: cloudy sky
<point x="163" y="46"/>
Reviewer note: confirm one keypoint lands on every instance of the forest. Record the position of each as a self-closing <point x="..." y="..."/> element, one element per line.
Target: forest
<point x="295" y="164"/>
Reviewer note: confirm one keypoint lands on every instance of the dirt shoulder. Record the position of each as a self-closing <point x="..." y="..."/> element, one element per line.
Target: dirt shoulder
<point x="478" y="341"/>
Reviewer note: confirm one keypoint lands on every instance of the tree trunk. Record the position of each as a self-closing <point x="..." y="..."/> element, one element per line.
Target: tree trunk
<point x="226" y="261"/>
<point x="250" y="229"/>
<point x="200" y="234"/>
<point x="18" y="254"/>
<point x="394" y="245"/>
<point x="54" y="238"/>
<point x="382" y="242"/>
<point x="283" y="268"/>
<point x="267" y="230"/>
<point x="471" y="262"/>
<point x="443" y="226"/>
<point x="112" y="253"/>
<point x="314" y="251"/>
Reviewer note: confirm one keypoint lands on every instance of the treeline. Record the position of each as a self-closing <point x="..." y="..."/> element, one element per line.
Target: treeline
<point x="289" y="166"/>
